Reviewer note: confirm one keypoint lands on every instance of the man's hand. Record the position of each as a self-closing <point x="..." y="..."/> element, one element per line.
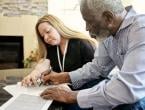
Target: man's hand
<point x="56" y="78"/>
<point x="61" y="93"/>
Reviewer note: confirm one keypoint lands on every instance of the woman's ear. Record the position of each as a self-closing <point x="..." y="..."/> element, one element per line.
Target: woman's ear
<point x="108" y="18"/>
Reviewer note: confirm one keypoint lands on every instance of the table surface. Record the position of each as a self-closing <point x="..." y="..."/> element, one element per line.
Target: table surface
<point x="10" y="76"/>
<point x="4" y="95"/>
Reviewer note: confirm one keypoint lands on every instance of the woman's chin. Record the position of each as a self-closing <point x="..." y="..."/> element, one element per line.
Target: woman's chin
<point x="53" y="43"/>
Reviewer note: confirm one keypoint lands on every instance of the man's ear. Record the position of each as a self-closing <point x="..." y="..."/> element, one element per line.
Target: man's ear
<point x="108" y="18"/>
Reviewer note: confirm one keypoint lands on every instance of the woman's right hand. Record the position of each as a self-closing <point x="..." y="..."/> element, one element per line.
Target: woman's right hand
<point x="31" y="79"/>
<point x="42" y="67"/>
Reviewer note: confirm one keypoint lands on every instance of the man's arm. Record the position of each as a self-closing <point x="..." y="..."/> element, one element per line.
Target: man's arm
<point x="101" y="65"/>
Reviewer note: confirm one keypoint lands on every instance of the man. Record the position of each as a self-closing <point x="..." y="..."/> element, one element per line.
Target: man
<point x="124" y="47"/>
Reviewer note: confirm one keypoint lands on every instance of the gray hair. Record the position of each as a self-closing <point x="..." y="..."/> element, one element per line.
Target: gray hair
<point x="99" y="6"/>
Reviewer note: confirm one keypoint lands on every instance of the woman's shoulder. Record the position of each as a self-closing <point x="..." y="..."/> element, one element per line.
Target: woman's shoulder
<point x="83" y="43"/>
<point x="80" y="41"/>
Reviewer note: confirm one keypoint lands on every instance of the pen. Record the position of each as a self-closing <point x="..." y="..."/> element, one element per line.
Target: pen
<point x="40" y="81"/>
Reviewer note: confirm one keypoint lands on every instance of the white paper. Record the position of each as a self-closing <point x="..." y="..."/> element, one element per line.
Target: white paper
<point x="17" y="89"/>
<point x="26" y="102"/>
<point x="21" y="95"/>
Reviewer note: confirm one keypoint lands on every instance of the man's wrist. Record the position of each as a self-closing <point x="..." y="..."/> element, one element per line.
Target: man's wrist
<point x="59" y="78"/>
<point x="64" y="77"/>
<point x="73" y="97"/>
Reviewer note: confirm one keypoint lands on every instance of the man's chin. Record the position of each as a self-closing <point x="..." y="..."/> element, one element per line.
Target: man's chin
<point x="102" y="36"/>
<point x="93" y="35"/>
<point x="100" y="39"/>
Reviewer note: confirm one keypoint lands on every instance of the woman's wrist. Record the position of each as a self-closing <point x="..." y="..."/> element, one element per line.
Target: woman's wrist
<point x="49" y="70"/>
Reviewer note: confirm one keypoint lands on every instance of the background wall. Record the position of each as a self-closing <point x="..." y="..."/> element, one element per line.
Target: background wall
<point x="23" y="26"/>
<point x="18" y="17"/>
<point x="137" y="4"/>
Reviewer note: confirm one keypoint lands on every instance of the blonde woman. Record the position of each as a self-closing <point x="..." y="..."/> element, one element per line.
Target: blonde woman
<point x="66" y="49"/>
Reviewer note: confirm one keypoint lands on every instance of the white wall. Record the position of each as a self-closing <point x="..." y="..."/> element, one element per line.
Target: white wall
<point x="139" y="5"/>
<point x="68" y="11"/>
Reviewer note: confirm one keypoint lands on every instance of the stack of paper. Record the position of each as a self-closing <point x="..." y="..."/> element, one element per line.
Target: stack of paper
<point x="26" y="98"/>
<point x="18" y="89"/>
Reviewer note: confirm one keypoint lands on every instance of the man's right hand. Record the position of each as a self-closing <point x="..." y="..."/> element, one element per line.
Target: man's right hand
<point x="56" y="78"/>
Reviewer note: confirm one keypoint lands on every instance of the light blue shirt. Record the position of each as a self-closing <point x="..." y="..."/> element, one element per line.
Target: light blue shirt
<point x="126" y="50"/>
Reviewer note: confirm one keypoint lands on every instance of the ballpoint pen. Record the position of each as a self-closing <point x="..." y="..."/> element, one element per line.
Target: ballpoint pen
<point x="40" y="80"/>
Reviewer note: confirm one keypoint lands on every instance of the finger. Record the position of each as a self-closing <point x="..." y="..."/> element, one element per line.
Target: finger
<point x="46" y="78"/>
<point x="34" y="80"/>
<point x="48" y="91"/>
<point x="55" y="83"/>
<point x="45" y="73"/>
<point x="47" y="97"/>
<point x="25" y="82"/>
<point x="29" y="81"/>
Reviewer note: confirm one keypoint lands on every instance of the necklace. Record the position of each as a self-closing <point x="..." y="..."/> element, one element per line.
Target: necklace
<point x="61" y="66"/>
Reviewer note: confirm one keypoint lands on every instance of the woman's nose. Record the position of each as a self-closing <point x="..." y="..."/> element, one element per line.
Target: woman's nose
<point x="45" y="37"/>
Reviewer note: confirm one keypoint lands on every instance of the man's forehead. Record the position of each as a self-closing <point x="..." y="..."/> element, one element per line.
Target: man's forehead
<point x="86" y="4"/>
<point x="86" y="12"/>
<point x="87" y="16"/>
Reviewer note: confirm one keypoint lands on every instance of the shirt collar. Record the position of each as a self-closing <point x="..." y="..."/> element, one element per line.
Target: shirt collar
<point x="129" y="18"/>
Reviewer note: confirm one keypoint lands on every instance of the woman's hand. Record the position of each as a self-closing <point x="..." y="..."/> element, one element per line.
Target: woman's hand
<point x="31" y="79"/>
<point x="61" y="93"/>
<point x="41" y="68"/>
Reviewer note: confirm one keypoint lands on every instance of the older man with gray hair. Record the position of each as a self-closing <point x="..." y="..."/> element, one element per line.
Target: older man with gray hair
<point x="123" y="45"/>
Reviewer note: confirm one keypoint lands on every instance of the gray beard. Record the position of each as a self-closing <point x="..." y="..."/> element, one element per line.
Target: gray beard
<point x="101" y="36"/>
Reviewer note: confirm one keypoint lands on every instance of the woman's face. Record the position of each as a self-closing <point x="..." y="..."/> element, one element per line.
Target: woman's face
<point x="49" y="34"/>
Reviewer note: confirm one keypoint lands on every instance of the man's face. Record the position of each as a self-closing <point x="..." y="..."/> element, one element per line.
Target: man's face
<point x="94" y="24"/>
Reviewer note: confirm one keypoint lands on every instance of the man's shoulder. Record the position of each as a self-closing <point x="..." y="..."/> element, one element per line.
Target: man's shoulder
<point x="139" y="20"/>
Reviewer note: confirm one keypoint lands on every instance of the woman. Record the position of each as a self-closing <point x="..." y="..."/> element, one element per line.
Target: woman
<point x="66" y="49"/>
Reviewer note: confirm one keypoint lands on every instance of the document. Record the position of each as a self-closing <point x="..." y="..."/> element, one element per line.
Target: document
<point x="26" y="102"/>
<point x="26" y="98"/>
<point x="17" y="89"/>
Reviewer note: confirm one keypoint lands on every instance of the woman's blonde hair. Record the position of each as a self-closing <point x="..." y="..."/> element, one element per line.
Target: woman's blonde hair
<point x="63" y="30"/>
